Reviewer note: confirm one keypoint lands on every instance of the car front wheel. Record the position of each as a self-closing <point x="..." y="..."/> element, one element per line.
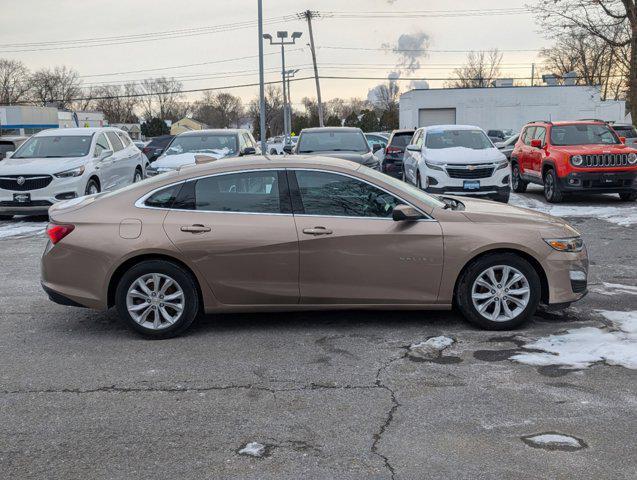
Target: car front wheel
<point x="552" y="191"/>
<point x="157" y="298"/>
<point x="499" y="291"/>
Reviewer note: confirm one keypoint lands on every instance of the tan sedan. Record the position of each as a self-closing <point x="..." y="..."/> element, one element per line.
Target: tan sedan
<point x="303" y="233"/>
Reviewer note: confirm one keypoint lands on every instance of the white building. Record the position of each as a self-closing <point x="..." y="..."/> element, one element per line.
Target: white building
<point x="70" y="119"/>
<point x="501" y="108"/>
<point x="26" y="120"/>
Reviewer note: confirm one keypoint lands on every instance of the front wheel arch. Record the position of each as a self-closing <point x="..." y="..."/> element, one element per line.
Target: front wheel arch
<point x="544" y="294"/>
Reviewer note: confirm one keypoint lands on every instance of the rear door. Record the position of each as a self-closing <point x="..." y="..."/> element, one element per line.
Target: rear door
<point x="123" y="175"/>
<point x="237" y="229"/>
<point x="105" y="167"/>
<point x="412" y="156"/>
<point x="352" y="252"/>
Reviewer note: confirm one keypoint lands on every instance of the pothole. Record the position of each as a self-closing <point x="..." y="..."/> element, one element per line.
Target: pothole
<point x="554" y="441"/>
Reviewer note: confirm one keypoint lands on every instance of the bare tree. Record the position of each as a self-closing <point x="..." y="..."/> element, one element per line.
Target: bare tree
<point x="219" y="110"/>
<point x="612" y="21"/>
<point x="117" y="102"/>
<point x="480" y="70"/>
<point x="273" y="112"/>
<point x="59" y="85"/>
<point x="162" y="99"/>
<point x="14" y="82"/>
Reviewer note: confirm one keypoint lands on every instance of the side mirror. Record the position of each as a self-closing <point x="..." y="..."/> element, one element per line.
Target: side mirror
<point x="536" y="143"/>
<point x="621" y="139"/>
<point x="413" y="148"/>
<point x="105" y="154"/>
<point x="376" y="147"/>
<point x="499" y="145"/>
<point x="9" y="154"/>
<point x="406" y="213"/>
<point x="249" y="151"/>
<point x="288" y="149"/>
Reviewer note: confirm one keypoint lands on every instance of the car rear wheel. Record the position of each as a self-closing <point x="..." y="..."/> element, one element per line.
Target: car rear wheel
<point x="157" y="298"/>
<point x="552" y="191"/>
<point x="628" y="197"/>
<point x="500" y="291"/>
<point x="519" y="185"/>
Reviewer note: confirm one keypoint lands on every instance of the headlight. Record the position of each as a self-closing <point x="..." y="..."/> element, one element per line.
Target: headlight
<point x="502" y="164"/>
<point x="632" y="158"/>
<point x="577" y="160"/>
<point x="433" y="166"/>
<point x="572" y="244"/>
<point x="74" y="172"/>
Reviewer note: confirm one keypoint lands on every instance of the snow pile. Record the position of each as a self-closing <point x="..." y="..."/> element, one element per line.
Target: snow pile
<point x="21" y="229"/>
<point x="613" y="289"/>
<point x="580" y="348"/>
<point x="554" y="441"/>
<point x="430" y="348"/>
<point x="624" y="216"/>
<point x="253" y="449"/>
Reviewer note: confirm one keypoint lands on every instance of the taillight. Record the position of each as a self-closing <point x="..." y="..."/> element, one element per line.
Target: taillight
<point x="58" y="232"/>
<point x="391" y="150"/>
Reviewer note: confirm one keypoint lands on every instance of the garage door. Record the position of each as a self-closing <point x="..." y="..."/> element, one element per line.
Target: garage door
<point x="436" y="116"/>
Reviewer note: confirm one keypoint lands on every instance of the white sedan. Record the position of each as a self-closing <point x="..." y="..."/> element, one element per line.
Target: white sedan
<point x="61" y="164"/>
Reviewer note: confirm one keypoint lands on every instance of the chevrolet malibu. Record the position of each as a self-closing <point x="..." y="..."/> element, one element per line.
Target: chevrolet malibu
<point x="303" y="233"/>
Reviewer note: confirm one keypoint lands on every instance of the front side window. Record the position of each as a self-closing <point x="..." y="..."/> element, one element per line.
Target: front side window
<point x="115" y="141"/>
<point x="473" y="139"/>
<point x="528" y="135"/>
<point x="331" y="194"/>
<point x="540" y="134"/>
<point x="249" y="192"/>
<point x="333" y="141"/>
<point x="203" y="144"/>
<point x="583" y="134"/>
<point x="101" y="144"/>
<point x="625" y="131"/>
<point x="55" y="147"/>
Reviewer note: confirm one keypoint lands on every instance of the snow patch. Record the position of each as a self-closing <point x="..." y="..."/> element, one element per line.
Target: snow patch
<point x="253" y="449"/>
<point x="554" y="441"/>
<point x="613" y="289"/>
<point x="624" y="216"/>
<point x="582" y="347"/>
<point x="22" y="229"/>
<point x="430" y="348"/>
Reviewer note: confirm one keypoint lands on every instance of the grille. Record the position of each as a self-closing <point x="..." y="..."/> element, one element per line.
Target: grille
<point x="466" y="173"/>
<point x="606" y="160"/>
<point x="31" y="182"/>
<point x="34" y="203"/>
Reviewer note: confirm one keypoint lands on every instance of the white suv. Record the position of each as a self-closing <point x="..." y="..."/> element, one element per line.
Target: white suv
<point x="457" y="160"/>
<point x="60" y="164"/>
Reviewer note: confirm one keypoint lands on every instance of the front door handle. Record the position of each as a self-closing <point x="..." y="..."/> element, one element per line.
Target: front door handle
<point x="195" y="229"/>
<point x="317" y="231"/>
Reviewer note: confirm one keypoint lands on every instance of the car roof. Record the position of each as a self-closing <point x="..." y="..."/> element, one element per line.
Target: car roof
<point x="12" y="138"/>
<point x="213" y="131"/>
<point x="57" y="132"/>
<point x="451" y="127"/>
<point x="331" y="129"/>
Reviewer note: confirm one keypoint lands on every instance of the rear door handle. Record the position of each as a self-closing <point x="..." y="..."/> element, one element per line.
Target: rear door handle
<point x="317" y="231"/>
<point x="195" y="229"/>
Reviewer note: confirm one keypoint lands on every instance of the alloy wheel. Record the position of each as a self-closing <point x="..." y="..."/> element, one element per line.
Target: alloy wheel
<point x="549" y="186"/>
<point x="155" y="301"/>
<point x="137" y="177"/>
<point x="516" y="177"/>
<point x="500" y="293"/>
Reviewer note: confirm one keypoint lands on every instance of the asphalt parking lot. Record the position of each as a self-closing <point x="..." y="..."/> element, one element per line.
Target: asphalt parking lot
<point x="349" y="395"/>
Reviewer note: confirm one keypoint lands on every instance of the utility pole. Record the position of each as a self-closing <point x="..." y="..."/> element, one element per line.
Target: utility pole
<point x="308" y="14"/>
<point x="288" y="75"/>
<point x="282" y="36"/>
<point x="532" y="74"/>
<point x="261" y="82"/>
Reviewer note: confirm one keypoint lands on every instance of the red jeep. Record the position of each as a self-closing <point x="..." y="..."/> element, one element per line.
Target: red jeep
<point x="582" y="156"/>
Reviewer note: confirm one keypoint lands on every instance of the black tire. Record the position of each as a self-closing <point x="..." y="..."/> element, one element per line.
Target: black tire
<point x="403" y="177"/>
<point x="185" y="281"/>
<point x="628" y="197"/>
<point x="273" y="152"/>
<point x="6" y="217"/>
<point x="418" y="182"/>
<point x="503" y="197"/>
<point x="475" y="269"/>
<point x="552" y="191"/>
<point x="518" y="185"/>
<point x="92" y="184"/>
<point x="138" y="176"/>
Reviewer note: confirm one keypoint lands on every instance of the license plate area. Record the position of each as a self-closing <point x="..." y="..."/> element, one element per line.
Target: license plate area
<point x="22" y="197"/>
<point x="471" y="185"/>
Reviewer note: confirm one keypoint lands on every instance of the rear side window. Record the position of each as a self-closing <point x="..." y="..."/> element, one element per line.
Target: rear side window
<point x="248" y="192"/>
<point x="124" y="138"/>
<point x="115" y="141"/>
<point x="163" y="198"/>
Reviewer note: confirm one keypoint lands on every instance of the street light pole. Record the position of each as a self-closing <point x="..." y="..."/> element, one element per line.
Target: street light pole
<point x="261" y="81"/>
<point x="282" y="35"/>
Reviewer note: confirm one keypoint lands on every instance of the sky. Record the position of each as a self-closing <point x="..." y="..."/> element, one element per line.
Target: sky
<point x="349" y="42"/>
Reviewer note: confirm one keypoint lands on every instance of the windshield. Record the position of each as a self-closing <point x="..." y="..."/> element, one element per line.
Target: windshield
<point x="202" y="144"/>
<point x="332" y="141"/>
<point x="583" y="134"/>
<point x="55" y="147"/>
<point x="474" y="139"/>
<point x="401" y="139"/>
<point x="403" y="186"/>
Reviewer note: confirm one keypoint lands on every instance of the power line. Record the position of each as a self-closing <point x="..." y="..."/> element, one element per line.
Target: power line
<point x="423" y="50"/>
<point x="425" y="13"/>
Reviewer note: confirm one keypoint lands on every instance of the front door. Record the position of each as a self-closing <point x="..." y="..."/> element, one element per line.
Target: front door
<point x="352" y="252"/>
<point x="237" y="229"/>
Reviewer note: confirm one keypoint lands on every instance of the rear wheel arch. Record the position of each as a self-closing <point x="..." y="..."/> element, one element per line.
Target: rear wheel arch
<point x="131" y="262"/>
<point x="537" y="266"/>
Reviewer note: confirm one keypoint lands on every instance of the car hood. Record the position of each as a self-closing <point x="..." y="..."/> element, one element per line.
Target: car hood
<point x="486" y="211"/>
<point x="362" y="158"/>
<point x="594" y="149"/>
<point x="34" y="166"/>
<point x="463" y="155"/>
<point x="179" y="160"/>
